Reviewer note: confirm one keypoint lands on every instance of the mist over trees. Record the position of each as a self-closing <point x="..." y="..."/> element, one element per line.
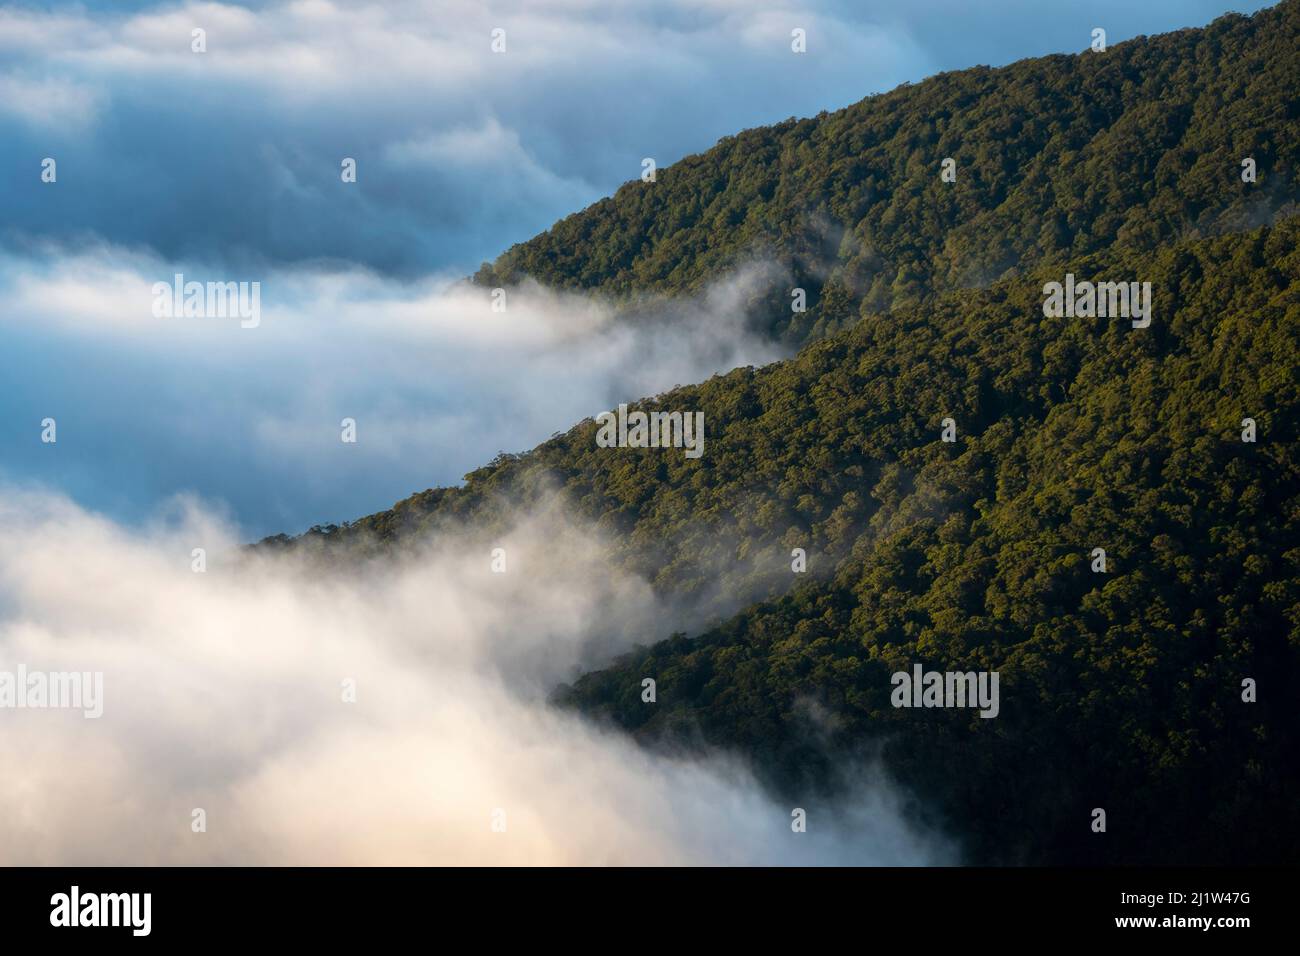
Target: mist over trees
<point x="1121" y="688"/>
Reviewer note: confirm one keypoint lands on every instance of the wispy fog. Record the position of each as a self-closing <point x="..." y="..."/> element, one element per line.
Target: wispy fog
<point x="437" y="382"/>
<point x="223" y="690"/>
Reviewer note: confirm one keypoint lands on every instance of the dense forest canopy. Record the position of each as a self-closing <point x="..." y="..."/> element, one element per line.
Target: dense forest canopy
<point x="1055" y="158"/>
<point x="1120" y="689"/>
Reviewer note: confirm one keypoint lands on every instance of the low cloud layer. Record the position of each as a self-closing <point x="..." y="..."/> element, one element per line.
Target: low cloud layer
<point x="223" y="691"/>
<point x="437" y="382"/>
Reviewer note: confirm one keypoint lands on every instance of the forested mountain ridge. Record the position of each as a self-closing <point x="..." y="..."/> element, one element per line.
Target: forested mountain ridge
<point x="1055" y="158"/>
<point x="1250" y="62"/>
<point x="1121" y="689"/>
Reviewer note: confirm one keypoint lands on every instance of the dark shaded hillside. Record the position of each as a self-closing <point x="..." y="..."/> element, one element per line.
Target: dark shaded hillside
<point x="1056" y="157"/>
<point x="1119" y="690"/>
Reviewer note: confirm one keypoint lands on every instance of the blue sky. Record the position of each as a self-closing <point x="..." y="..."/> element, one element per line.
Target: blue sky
<point x="226" y="165"/>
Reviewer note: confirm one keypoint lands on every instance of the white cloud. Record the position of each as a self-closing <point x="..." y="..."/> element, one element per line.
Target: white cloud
<point x="222" y="691"/>
<point x="437" y="382"/>
<point x="49" y="104"/>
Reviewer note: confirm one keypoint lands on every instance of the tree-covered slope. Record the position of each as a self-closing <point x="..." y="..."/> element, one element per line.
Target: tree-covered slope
<point x="1056" y="157"/>
<point x="1120" y="690"/>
